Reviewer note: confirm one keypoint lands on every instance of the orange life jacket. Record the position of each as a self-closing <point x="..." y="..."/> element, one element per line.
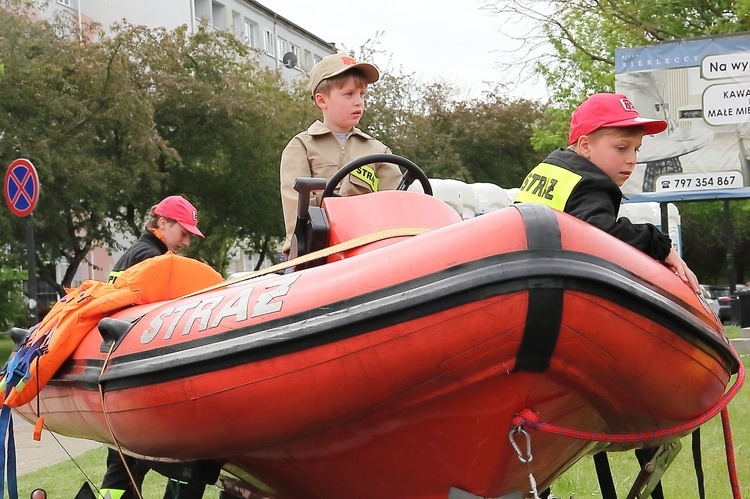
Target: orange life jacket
<point x="160" y="278"/>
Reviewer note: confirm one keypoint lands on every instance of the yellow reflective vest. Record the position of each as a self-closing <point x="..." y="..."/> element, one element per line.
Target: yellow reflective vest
<point x="548" y="184"/>
<point x="569" y="182"/>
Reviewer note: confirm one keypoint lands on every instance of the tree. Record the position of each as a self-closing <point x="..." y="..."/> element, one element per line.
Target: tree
<point x="13" y="310"/>
<point x="481" y="140"/>
<point x="493" y="138"/>
<point x="228" y="121"/>
<point x="68" y="107"/>
<point x="571" y="43"/>
<point x="114" y="125"/>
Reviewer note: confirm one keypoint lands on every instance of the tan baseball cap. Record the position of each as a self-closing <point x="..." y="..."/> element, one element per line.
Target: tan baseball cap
<point x="332" y="65"/>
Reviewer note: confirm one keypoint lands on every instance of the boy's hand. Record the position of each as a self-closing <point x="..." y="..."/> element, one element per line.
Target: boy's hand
<point x="680" y="268"/>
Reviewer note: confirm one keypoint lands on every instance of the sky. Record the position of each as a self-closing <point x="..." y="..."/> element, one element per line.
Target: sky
<point x="440" y="39"/>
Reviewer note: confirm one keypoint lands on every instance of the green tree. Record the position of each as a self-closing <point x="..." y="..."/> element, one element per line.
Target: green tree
<point x="227" y="120"/>
<point x="493" y="138"/>
<point x="13" y="310"/>
<point x="571" y="43"/>
<point x="68" y="106"/>
<point x="706" y="225"/>
<point x="114" y="125"/>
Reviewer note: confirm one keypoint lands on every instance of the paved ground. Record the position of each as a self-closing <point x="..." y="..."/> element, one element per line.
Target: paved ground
<point x="32" y="455"/>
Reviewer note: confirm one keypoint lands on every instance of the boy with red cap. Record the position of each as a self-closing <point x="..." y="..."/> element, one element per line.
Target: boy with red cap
<point x="170" y="225"/>
<point x="338" y="84"/>
<point x="584" y="180"/>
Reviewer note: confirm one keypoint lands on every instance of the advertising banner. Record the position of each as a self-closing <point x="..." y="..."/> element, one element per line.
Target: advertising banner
<point x="701" y="87"/>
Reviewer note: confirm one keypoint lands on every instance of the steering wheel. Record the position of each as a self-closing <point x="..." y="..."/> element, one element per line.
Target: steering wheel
<point x="413" y="172"/>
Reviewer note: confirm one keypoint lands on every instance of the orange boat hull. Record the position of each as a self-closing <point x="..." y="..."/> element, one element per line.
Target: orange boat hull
<point x="396" y="372"/>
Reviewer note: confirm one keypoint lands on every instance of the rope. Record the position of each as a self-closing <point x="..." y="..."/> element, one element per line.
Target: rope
<point x="70" y="456"/>
<point x="531" y="420"/>
<point x="731" y="464"/>
<point x="109" y="425"/>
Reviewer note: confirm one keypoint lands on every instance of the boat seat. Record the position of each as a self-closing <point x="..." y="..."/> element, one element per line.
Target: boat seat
<point x="355" y="216"/>
<point x="340" y="219"/>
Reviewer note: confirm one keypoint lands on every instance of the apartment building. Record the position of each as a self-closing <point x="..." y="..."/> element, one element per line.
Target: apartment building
<point x="279" y="43"/>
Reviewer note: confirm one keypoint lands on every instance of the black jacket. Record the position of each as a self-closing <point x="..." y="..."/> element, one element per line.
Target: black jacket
<point x="596" y="199"/>
<point x="147" y="246"/>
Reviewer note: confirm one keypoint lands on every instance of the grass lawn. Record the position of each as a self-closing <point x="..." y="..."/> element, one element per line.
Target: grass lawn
<point x="732" y="331"/>
<point x="64" y="480"/>
<point x="679" y="480"/>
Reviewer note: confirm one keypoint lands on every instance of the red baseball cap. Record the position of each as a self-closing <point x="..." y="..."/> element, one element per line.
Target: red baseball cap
<point x="181" y="211"/>
<point x="610" y="111"/>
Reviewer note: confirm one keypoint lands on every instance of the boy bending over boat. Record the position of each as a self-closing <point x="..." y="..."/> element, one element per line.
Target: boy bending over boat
<point x="338" y="84"/>
<point x="584" y="180"/>
<point x="171" y="224"/>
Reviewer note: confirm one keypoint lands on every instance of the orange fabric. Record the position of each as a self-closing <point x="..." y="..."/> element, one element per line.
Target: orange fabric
<point x="159" y="235"/>
<point x="160" y="278"/>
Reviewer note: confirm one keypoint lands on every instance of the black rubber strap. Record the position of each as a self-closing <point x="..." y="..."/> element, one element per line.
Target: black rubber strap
<point x="604" y="476"/>
<point x="698" y="463"/>
<point x="544" y="312"/>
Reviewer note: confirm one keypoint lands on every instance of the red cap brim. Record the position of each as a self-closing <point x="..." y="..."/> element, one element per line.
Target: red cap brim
<point x="192" y="229"/>
<point x="650" y="126"/>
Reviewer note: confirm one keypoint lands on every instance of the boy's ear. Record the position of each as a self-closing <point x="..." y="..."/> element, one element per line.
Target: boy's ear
<point x="320" y="100"/>
<point x="583" y="146"/>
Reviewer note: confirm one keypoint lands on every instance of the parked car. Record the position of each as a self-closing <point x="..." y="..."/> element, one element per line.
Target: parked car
<point x="725" y="299"/>
<point x="711" y="299"/>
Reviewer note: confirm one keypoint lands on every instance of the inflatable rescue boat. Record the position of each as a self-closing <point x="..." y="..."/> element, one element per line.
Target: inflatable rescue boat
<point x="402" y="353"/>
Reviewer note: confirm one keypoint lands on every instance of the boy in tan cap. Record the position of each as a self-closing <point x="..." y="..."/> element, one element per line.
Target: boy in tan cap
<point x="338" y="84"/>
<point x="584" y="180"/>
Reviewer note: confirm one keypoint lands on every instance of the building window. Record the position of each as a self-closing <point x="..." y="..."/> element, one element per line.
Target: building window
<point x="203" y="11"/>
<point x="218" y="16"/>
<point x="268" y="44"/>
<point x="297" y="55"/>
<point x="282" y="48"/>
<point x="308" y="62"/>
<point x="249" y="34"/>
<point x="237" y="24"/>
<point x="64" y="2"/>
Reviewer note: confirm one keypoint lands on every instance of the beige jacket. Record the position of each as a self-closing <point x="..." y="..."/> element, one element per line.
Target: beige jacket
<point x="316" y="153"/>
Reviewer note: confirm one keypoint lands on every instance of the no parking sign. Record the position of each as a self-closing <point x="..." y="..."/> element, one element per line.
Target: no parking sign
<point x="21" y="187"/>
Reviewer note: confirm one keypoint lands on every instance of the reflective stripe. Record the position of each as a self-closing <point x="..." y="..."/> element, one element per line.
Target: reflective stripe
<point x="114" y="275"/>
<point x="110" y="494"/>
<point x="548" y="184"/>
<point x="367" y="175"/>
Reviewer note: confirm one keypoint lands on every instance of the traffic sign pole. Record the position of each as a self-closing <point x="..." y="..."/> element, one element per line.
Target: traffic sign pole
<point x="30" y="253"/>
<point x="21" y="189"/>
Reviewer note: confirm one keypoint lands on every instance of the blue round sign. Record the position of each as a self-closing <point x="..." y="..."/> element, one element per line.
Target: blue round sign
<point x="21" y="187"/>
